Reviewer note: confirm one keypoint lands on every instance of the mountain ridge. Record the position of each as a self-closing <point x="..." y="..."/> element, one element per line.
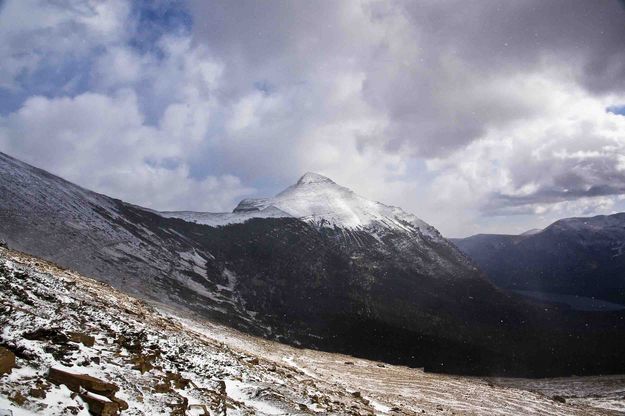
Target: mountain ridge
<point x="318" y="200"/>
<point x="580" y="256"/>
<point x="388" y="291"/>
<point x="278" y="277"/>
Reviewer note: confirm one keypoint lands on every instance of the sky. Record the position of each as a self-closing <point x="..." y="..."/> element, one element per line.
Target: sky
<point x="484" y="116"/>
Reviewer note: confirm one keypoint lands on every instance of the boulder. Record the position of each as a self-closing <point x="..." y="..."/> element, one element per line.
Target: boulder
<point x="18" y="398"/>
<point x="75" y="381"/>
<point x="37" y="393"/>
<point x="253" y="361"/>
<point x="142" y="364"/>
<point x="197" y="408"/>
<point x="20" y="351"/>
<point x="162" y="388"/>
<point x="179" y="406"/>
<point x="84" y="385"/>
<point x="123" y="405"/>
<point x="132" y="342"/>
<point x="7" y="361"/>
<point x="100" y="406"/>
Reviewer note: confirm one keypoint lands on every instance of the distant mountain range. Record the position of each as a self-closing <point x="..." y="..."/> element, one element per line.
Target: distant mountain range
<point x="317" y="265"/>
<point x="582" y="257"/>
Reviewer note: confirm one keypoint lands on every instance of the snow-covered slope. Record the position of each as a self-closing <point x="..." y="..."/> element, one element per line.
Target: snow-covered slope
<point x="320" y="201"/>
<point x="215" y="219"/>
<point x="102" y="237"/>
<point x="57" y="319"/>
<point x="54" y="318"/>
<point x="363" y="228"/>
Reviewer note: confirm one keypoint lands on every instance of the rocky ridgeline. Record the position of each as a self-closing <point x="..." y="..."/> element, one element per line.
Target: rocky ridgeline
<point x="71" y="345"/>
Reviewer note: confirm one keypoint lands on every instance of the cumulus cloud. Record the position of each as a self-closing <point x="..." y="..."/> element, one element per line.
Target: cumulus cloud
<point x="141" y="117"/>
<point x="475" y="116"/>
<point x="441" y="71"/>
<point x="103" y="143"/>
<point x="36" y="34"/>
<point x="566" y="161"/>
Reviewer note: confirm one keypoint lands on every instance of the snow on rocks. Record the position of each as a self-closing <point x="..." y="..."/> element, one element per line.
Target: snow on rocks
<point x="81" y="346"/>
<point x="141" y="361"/>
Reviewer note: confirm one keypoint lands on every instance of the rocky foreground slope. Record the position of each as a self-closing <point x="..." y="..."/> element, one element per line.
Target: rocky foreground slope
<point x="138" y="359"/>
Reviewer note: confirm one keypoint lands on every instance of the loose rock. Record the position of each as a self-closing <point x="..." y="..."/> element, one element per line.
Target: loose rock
<point x="7" y="361"/>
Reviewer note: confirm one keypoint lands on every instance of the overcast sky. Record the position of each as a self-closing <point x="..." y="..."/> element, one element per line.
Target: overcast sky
<point x="483" y="116"/>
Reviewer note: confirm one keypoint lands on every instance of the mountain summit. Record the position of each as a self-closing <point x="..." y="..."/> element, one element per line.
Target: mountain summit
<point x="311" y="177"/>
<point x="319" y="200"/>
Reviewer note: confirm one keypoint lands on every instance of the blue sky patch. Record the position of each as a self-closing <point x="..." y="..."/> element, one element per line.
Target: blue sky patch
<point x="617" y="109"/>
<point x="155" y="19"/>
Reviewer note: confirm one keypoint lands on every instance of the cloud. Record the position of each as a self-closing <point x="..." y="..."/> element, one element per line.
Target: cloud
<point x="474" y="116"/>
<point x="103" y="143"/>
<point x="439" y="71"/>
<point x="39" y="34"/>
<point x="133" y="125"/>
<point x="562" y="162"/>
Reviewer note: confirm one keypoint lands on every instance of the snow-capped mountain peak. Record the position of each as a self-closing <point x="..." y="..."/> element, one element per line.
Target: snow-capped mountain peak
<point x="311" y="177"/>
<point x="319" y="200"/>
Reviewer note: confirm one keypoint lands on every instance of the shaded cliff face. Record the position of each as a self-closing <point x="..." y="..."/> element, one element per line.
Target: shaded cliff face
<point x="383" y="285"/>
<point x="574" y="256"/>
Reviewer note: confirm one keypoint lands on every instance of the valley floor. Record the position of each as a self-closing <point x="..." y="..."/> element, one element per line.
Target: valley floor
<point x="163" y="362"/>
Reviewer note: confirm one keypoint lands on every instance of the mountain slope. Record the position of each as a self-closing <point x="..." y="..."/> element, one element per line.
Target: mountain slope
<point x="106" y="238"/>
<point x="353" y="222"/>
<point x="386" y="287"/>
<point x="57" y="319"/>
<point x="573" y="256"/>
